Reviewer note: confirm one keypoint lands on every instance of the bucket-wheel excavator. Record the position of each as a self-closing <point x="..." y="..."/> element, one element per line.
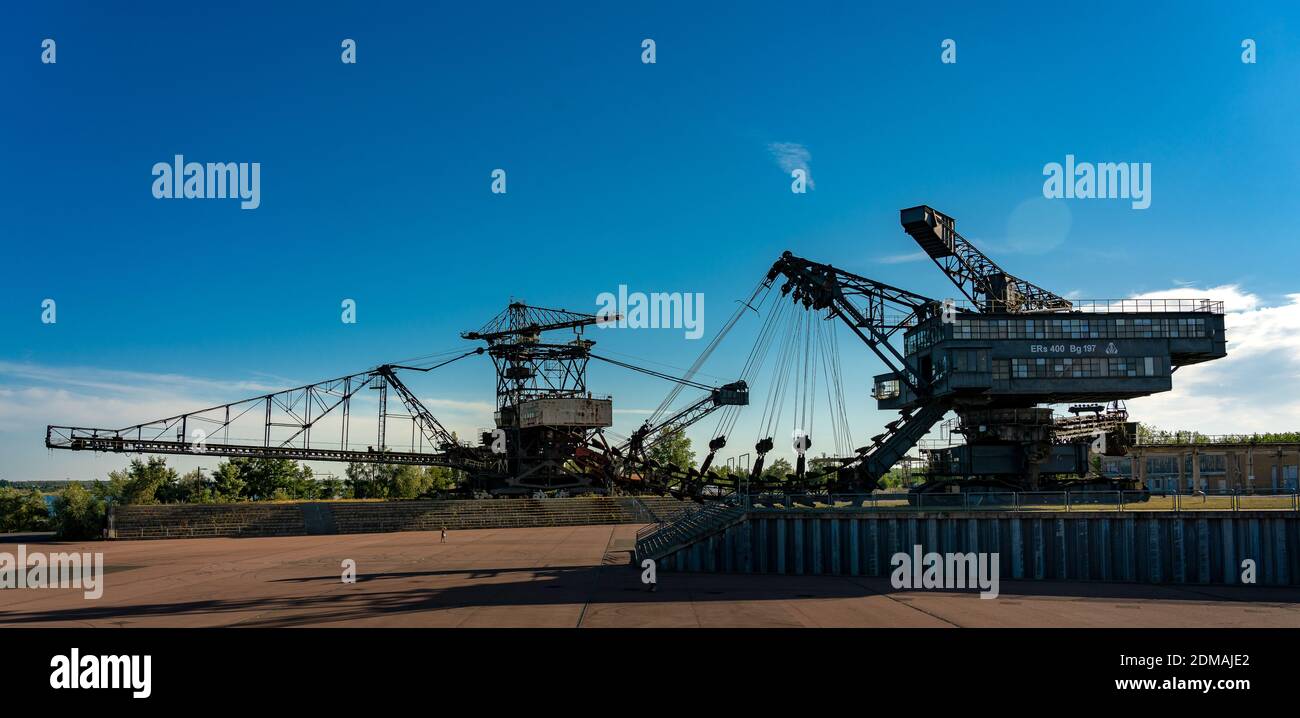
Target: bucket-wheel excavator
<point x="997" y="359"/>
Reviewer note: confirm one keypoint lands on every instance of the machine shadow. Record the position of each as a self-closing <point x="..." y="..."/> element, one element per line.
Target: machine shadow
<point x="591" y="585"/>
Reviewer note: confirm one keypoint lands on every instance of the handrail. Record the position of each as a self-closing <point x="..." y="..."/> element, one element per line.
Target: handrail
<point x="689" y="522"/>
<point x="641" y="511"/>
<point x="1033" y="501"/>
<point x="1103" y="306"/>
<point x="1192" y="438"/>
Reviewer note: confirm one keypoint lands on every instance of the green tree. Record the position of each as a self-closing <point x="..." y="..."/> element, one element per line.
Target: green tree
<point x="141" y="481"/>
<point x="397" y="481"/>
<point x="266" y="479"/>
<point x="227" y="486"/>
<point x="109" y="491"/>
<point x="192" y="487"/>
<point x="23" y="511"/>
<point x="332" y="487"/>
<point x="1148" y="434"/>
<point x="725" y="472"/>
<point x="78" y="513"/>
<point x="675" y="448"/>
<point x="364" y="482"/>
<point x="900" y="479"/>
<point x="408" y="482"/>
<point x="777" y="470"/>
<point x="441" y="479"/>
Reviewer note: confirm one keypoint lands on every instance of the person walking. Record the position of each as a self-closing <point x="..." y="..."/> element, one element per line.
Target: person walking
<point x="444" y="534"/>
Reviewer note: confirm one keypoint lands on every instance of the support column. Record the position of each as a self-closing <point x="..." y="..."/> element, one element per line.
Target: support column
<point x="1196" y="469"/>
<point x="1250" y="467"/>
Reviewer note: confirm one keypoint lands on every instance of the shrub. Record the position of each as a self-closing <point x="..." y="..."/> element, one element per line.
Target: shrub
<point x="23" y="511"/>
<point x="78" y="515"/>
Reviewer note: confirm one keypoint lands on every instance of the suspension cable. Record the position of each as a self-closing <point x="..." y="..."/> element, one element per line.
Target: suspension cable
<point x="680" y="381"/>
<point x="708" y="350"/>
<point x="471" y="352"/>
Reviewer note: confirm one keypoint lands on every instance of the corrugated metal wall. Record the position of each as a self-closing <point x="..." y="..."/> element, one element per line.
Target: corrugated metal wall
<point x="1146" y="547"/>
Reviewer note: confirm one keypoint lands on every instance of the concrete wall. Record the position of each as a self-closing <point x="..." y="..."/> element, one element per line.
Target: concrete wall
<point x="292" y="519"/>
<point x="1148" y="547"/>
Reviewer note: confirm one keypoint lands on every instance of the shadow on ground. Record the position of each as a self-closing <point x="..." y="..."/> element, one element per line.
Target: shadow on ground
<point x="387" y="594"/>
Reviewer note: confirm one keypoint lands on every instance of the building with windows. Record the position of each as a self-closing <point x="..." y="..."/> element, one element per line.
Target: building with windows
<point x="1211" y="466"/>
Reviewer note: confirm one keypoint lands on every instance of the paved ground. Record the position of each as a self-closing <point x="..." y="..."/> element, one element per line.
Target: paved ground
<point x="562" y="577"/>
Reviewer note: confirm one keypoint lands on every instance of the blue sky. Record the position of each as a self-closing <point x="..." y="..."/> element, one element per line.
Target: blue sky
<point x="375" y="183"/>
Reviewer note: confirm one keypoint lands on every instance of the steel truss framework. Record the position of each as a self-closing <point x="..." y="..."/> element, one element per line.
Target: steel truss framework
<point x="291" y="424"/>
<point x="528" y="368"/>
<point x="983" y="282"/>
<point x="873" y="310"/>
<point x="315" y="421"/>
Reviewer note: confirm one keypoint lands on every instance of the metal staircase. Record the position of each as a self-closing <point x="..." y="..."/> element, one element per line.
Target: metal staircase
<point x="899" y="437"/>
<point x="686" y="527"/>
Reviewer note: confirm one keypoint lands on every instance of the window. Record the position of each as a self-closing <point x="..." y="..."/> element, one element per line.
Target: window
<point x="1162" y="465"/>
<point x="1001" y="369"/>
<point x="970" y="360"/>
<point x="1117" y="465"/>
<point x="1077" y="328"/>
<point x="921" y="339"/>
<point x="1077" y="367"/>
<point x="1213" y="463"/>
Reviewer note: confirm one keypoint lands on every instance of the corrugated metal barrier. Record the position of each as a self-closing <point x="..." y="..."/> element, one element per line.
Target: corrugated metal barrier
<point x="1207" y="547"/>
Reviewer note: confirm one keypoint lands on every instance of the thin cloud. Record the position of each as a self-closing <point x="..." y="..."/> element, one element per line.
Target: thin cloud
<point x="116" y="381"/>
<point x="1256" y="388"/>
<point x="33" y="395"/>
<point x="902" y="258"/>
<point x="481" y="408"/>
<point x="791" y="156"/>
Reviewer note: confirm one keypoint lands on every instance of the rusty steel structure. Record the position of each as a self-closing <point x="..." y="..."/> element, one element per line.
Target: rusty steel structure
<point x="997" y="359"/>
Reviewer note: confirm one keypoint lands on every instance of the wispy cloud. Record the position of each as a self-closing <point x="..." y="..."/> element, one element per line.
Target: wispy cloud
<point x="113" y="380"/>
<point x="455" y="406"/>
<point x="791" y="156"/>
<point x="33" y="395"/>
<point x="902" y="258"/>
<point x="1256" y="388"/>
